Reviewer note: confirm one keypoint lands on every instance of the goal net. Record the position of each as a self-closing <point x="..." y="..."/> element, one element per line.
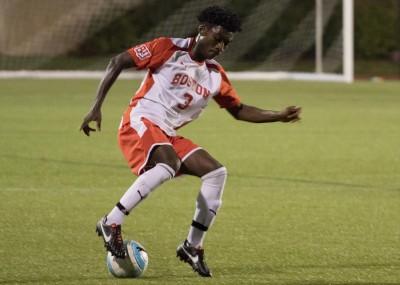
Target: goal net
<point x="281" y="39"/>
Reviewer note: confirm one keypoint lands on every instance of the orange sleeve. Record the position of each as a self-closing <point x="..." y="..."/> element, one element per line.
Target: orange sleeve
<point x="227" y="96"/>
<point x="152" y="54"/>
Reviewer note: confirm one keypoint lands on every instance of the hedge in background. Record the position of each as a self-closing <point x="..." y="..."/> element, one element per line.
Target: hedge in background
<point x="376" y="27"/>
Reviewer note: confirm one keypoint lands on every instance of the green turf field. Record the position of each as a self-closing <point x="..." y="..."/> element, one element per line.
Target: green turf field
<point x="316" y="202"/>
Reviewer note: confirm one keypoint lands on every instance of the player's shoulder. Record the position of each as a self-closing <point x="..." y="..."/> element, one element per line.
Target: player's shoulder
<point x="176" y="43"/>
<point x="214" y="65"/>
<point x="182" y="43"/>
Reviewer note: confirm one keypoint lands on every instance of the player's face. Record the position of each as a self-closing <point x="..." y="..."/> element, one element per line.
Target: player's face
<point x="212" y="41"/>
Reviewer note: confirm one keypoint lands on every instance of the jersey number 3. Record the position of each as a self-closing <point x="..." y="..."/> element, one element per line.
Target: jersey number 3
<point x="188" y="98"/>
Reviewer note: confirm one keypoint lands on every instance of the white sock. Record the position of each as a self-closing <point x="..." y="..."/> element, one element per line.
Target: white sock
<point x="139" y="190"/>
<point x="196" y="237"/>
<point x="207" y="204"/>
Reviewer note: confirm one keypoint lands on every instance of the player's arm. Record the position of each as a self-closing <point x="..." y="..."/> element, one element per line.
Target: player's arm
<point x="253" y="114"/>
<point x="114" y="68"/>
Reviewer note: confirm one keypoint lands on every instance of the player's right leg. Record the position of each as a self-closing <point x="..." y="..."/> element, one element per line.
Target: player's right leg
<point x="213" y="175"/>
<point x="152" y="157"/>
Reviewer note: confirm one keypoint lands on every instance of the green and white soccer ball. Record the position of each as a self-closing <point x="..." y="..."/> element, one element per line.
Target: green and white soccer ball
<point x="133" y="265"/>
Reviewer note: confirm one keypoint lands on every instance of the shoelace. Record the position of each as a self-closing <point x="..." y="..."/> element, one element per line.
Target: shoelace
<point x="200" y="252"/>
<point x="117" y="234"/>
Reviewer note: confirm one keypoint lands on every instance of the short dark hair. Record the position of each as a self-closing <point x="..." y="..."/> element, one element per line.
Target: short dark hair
<point x="220" y="16"/>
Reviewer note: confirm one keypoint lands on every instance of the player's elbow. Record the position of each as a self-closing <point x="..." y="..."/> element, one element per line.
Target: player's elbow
<point x="240" y="117"/>
<point x="235" y="111"/>
<point x="115" y="63"/>
<point x="121" y="61"/>
<point x="236" y="116"/>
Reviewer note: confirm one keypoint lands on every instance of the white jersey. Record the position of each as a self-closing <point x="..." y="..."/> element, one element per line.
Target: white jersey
<point x="176" y="88"/>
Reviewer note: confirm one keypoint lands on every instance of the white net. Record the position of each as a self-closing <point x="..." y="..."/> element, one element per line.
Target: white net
<point x="33" y="32"/>
<point x="277" y="36"/>
<point x="298" y="42"/>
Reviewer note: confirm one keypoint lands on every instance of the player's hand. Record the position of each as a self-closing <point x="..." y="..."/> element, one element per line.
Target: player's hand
<point x="92" y="116"/>
<point x="290" y="114"/>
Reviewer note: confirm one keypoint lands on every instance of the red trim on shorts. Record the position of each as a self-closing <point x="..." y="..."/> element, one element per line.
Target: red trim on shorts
<point x="137" y="148"/>
<point x="144" y="89"/>
<point x="140" y="171"/>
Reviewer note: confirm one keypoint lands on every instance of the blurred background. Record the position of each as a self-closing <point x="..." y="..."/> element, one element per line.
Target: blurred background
<point x="311" y="203"/>
<point x="278" y="35"/>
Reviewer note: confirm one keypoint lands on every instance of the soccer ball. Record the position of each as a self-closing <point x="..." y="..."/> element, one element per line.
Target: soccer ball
<point x="133" y="265"/>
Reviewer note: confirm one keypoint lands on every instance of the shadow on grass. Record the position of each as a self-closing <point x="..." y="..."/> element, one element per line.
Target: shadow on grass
<point x="67" y="162"/>
<point x="219" y="274"/>
<point x="97" y="280"/>
<point x="365" y="266"/>
<point x="268" y="270"/>
<point x="348" y="266"/>
<point x="51" y="280"/>
<point x="284" y="179"/>
<point x="337" y="283"/>
<point x="313" y="182"/>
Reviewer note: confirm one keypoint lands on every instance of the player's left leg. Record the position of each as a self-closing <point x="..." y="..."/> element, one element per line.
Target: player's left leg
<point x="213" y="176"/>
<point x="151" y="156"/>
<point x="209" y="199"/>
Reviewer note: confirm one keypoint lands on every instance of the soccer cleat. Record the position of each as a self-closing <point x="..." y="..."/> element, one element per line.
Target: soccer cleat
<point x="195" y="257"/>
<point x="112" y="237"/>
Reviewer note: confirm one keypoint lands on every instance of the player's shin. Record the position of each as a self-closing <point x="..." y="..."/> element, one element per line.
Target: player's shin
<point x="207" y="205"/>
<point x="139" y="190"/>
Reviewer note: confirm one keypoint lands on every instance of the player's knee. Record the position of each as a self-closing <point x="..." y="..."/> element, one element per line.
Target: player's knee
<point x="174" y="163"/>
<point x="167" y="155"/>
<point x="217" y="176"/>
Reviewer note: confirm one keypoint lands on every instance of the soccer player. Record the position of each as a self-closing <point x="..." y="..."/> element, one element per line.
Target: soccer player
<point x="182" y="77"/>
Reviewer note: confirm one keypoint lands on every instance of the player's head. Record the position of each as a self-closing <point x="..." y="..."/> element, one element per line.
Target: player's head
<point x="216" y="29"/>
